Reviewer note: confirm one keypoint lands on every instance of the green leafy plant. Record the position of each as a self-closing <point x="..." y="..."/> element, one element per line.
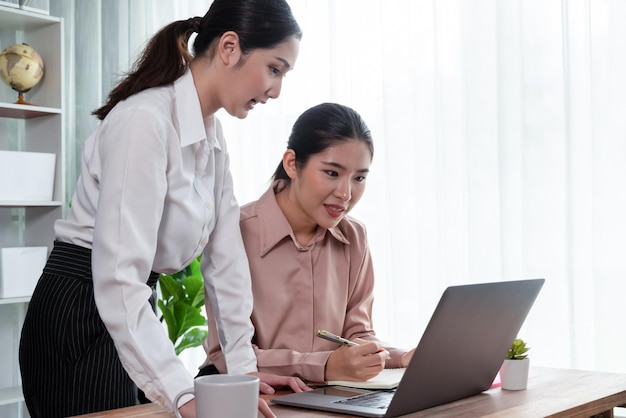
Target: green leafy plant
<point x="518" y="350"/>
<point x="181" y="303"/>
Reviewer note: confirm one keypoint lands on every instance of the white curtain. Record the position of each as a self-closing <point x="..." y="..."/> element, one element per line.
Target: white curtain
<point x="500" y="137"/>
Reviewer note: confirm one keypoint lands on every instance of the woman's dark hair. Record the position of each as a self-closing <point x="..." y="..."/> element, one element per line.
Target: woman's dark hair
<point x="321" y="127"/>
<point x="259" y="23"/>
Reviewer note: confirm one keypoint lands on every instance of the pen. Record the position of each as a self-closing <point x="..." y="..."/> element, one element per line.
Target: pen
<point x="340" y="340"/>
<point x="335" y="338"/>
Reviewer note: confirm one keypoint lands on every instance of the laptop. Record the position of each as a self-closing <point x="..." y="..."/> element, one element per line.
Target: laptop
<point x="459" y="354"/>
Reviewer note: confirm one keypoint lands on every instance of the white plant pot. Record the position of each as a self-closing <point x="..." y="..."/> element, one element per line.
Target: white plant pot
<point x="514" y="374"/>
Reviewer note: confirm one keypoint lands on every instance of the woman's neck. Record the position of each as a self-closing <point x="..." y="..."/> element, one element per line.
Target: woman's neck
<point x="302" y="226"/>
<point x="204" y="79"/>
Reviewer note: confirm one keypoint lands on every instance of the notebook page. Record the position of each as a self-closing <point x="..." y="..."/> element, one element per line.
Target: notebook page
<point x="387" y="379"/>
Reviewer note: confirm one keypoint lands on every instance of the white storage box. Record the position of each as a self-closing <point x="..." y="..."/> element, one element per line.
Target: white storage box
<point x="20" y="268"/>
<point x="26" y="176"/>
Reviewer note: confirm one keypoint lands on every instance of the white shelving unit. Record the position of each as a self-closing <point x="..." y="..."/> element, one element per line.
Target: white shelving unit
<point x="29" y="128"/>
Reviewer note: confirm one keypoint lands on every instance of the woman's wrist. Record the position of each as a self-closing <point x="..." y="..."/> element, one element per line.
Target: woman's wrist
<point x="188" y="410"/>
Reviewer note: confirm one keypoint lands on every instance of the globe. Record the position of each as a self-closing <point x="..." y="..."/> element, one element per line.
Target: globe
<point x="21" y="67"/>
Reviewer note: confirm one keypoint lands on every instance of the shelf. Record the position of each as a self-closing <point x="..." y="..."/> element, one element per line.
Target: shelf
<point x="11" y="395"/>
<point x="28" y="204"/>
<point x="20" y="111"/>
<point x="34" y="128"/>
<point x="18" y="19"/>
<point x="14" y="301"/>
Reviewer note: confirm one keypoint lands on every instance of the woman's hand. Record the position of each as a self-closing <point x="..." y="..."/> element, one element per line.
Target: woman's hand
<point x="406" y="358"/>
<point x="188" y="410"/>
<point x="270" y="381"/>
<point x="357" y="363"/>
<point x="265" y="410"/>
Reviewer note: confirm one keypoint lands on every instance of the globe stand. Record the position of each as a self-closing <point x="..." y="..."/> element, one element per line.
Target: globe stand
<point x="20" y="99"/>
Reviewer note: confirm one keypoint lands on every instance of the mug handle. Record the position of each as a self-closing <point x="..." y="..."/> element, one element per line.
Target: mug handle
<point x="177" y="398"/>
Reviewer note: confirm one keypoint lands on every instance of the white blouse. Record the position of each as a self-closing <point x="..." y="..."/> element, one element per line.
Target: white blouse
<point x="154" y="192"/>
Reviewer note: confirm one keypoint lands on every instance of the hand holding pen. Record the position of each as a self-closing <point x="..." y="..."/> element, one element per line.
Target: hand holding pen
<point x="359" y="363"/>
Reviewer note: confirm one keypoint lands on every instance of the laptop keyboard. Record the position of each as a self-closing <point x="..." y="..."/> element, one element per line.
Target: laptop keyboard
<point x="378" y="400"/>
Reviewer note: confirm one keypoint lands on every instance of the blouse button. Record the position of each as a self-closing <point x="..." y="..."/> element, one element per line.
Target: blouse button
<point x="203" y="242"/>
<point x="207" y="205"/>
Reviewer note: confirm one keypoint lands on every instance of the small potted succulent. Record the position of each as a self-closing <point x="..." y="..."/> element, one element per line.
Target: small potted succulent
<point x="514" y="370"/>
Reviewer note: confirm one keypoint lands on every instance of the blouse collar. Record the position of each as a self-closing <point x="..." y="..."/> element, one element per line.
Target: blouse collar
<point x="193" y="128"/>
<point x="275" y="227"/>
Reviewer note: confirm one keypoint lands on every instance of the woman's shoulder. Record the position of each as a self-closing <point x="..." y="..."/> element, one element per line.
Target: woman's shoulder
<point x="156" y="100"/>
<point x="151" y="110"/>
<point x="247" y="211"/>
<point x="264" y="207"/>
<point x="352" y="228"/>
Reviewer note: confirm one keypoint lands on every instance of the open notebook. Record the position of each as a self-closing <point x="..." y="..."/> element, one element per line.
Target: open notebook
<point x="387" y="379"/>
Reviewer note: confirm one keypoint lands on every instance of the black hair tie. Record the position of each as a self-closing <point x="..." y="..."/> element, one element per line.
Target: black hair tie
<point x="194" y="23"/>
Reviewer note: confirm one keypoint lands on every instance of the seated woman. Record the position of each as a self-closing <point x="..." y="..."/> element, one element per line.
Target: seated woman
<point x="310" y="263"/>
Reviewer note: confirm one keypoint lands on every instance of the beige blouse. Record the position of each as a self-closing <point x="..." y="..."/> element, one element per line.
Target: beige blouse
<point x="327" y="284"/>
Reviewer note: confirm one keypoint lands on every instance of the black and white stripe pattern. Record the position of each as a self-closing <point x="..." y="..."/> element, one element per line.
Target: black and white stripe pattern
<point x="68" y="362"/>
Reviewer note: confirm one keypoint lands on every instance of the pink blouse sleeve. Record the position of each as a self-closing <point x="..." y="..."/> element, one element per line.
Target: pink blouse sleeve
<point x="308" y="366"/>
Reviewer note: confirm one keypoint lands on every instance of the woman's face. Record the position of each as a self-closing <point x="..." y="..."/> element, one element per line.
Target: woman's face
<point x="331" y="183"/>
<point x="259" y="77"/>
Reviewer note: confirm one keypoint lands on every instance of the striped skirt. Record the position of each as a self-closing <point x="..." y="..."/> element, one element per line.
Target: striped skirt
<point x="68" y="362"/>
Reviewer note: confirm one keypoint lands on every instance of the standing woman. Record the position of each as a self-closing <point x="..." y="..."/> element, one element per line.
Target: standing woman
<point x="155" y="192"/>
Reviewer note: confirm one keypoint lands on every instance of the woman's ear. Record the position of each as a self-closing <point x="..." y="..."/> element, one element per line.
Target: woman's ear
<point x="290" y="164"/>
<point x="228" y="48"/>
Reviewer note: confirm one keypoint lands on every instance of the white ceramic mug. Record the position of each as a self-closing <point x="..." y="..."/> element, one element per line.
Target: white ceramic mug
<point x="224" y="395"/>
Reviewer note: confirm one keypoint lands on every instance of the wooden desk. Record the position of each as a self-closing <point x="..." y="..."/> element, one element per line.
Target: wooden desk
<point x="551" y="392"/>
